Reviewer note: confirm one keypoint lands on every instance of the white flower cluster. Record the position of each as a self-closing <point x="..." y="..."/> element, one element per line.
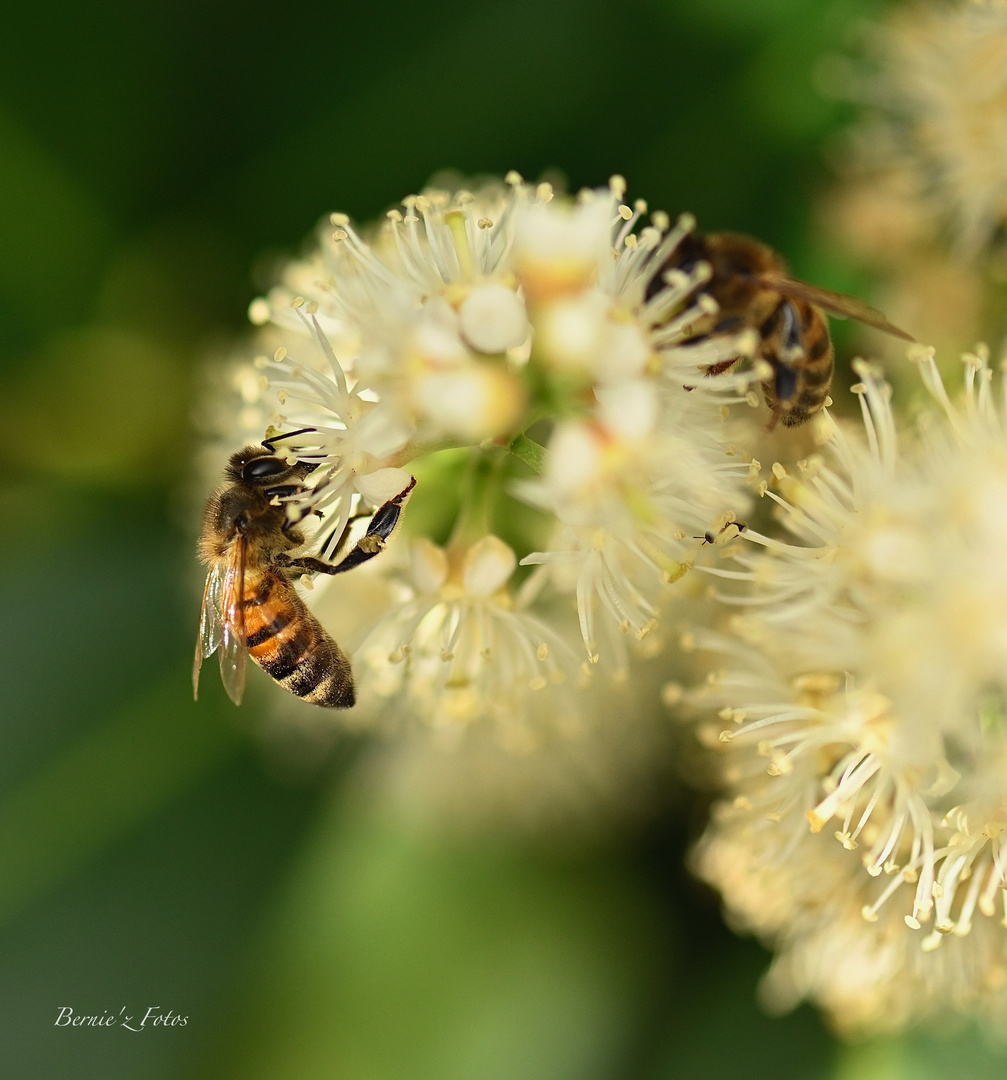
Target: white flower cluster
<point x="943" y="93"/>
<point x="861" y="689"/>
<point x="539" y="364"/>
<point x="544" y="335"/>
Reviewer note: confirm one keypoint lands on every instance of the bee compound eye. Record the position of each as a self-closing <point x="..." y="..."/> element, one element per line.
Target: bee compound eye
<point x="263" y="467"/>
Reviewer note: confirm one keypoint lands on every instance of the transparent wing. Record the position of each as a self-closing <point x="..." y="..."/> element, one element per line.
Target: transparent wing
<point x="210" y="624"/>
<point x="835" y="303"/>
<point x="232" y="643"/>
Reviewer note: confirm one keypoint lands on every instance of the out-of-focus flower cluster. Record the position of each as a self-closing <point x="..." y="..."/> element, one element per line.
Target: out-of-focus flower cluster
<point x="943" y="88"/>
<point x="923" y="203"/>
<point x="861" y="695"/>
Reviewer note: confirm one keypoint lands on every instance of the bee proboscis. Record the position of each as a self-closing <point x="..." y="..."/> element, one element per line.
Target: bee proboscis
<point x="752" y="289"/>
<point x="250" y="605"/>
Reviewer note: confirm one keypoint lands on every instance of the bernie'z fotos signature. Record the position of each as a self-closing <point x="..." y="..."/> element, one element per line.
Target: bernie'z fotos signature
<point x="154" y="1017"/>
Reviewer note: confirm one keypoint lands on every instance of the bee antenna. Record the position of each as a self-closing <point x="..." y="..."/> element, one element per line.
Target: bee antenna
<point x="269" y="444"/>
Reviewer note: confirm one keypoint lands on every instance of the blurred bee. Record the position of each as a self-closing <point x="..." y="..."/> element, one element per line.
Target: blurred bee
<point x="752" y="289"/>
<point x="250" y="605"/>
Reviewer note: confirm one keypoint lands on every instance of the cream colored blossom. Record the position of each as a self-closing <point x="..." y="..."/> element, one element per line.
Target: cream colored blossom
<point x="863" y="698"/>
<point x="943" y="89"/>
<point x="806" y="895"/>
<point x="461" y="646"/>
<point x="425" y="313"/>
<point x="634" y="491"/>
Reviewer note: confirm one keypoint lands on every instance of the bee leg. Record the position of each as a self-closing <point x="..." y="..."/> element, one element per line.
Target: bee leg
<point x="345" y="534"/>
<point x="383" y="522"/>
<point x="721" y="366"/>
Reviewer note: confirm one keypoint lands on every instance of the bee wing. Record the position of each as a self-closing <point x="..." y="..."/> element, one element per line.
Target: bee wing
<point x="232" y="643"/>
<point x="836" y="304"/>
<point x="210" y="623"/>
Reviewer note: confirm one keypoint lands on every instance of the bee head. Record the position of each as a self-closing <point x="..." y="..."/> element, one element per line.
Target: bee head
<point x="256" y="467"/>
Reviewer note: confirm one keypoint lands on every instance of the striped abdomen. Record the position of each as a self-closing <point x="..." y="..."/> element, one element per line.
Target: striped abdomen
<point x="290" y="645"/>
<point x="796" y="342"/>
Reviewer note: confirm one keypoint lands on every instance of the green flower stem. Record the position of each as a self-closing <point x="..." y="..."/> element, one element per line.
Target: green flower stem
<point x="530" y="452"/>
<point x="416" y="448"/>
<point x="480" y="487"/>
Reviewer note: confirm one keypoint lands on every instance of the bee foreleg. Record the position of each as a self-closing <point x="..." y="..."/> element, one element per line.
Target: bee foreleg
<point x="345" y="534"/>
<point x="383" y="522"/>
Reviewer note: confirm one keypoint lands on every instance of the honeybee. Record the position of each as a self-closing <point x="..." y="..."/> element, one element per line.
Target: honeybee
<point x="752" y="289"/>
<point x="250" y="605"/>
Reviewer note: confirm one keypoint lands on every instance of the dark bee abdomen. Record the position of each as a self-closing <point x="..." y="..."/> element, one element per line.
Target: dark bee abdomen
<point x="291" y="646"/>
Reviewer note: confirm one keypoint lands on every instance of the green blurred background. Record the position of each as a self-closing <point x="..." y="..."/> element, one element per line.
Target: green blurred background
<point x="156" y="160"/>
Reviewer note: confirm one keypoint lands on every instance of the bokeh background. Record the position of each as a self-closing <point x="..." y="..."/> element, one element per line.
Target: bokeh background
<point x="157" y="160"/>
